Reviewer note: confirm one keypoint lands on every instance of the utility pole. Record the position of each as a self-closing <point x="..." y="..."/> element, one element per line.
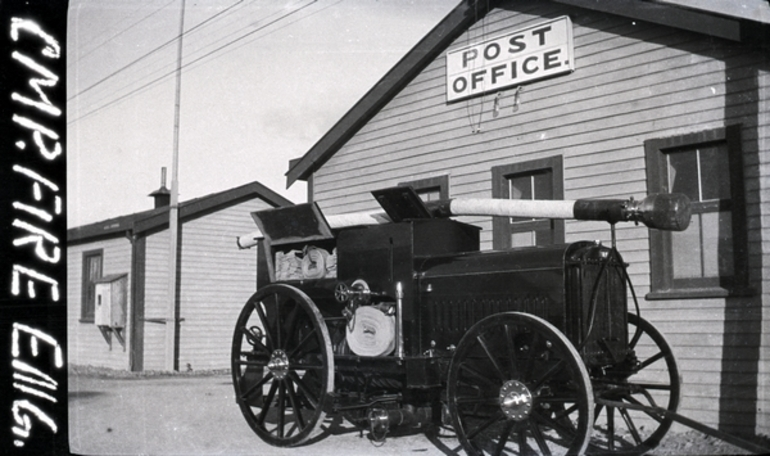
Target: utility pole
<point x="172" y="311"/>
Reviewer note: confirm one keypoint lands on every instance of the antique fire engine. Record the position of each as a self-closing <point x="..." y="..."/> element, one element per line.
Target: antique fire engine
<point x="396" y="318"/>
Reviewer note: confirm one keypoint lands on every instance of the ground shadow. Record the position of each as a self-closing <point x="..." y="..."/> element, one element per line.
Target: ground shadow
<point x="74" y="395"/>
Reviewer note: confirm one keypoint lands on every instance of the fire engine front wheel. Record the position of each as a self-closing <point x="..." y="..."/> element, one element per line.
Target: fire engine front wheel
<point x="517" y="386"/>
<point x="282" y="365"/>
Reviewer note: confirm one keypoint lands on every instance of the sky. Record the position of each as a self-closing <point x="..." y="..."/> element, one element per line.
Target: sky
<point x="262" y="81"/>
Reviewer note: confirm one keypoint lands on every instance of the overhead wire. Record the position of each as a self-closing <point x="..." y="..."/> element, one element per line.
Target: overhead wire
<point x="159" y="69"/>
<point x="164" y="67"/>
<point x="203" y="49"/>
<point x="187" y="64"/>
<point x="148" y="68"/>
<point x="153" y="51"/>
<point x="280" y="28"/>
<point x="108" y="40"/>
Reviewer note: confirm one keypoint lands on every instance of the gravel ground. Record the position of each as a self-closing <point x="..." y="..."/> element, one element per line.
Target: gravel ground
<point x="150" y="413"/>
<point x="694" y="443"/>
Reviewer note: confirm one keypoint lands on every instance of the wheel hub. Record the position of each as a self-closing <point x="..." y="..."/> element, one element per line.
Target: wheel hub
<point x="515" y="400"/>
<point x="278" y="364"/>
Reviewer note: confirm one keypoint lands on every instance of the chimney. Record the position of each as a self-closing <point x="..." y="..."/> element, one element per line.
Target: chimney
<point x="162" y="196"/>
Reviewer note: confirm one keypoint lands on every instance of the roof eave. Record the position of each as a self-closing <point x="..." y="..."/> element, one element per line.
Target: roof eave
<point x="667" y="14"/>
<point x="157" y="218"/>
<point x="206" y="204"/>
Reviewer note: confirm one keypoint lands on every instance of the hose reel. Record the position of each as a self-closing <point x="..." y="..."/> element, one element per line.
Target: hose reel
<point x="371" y="329"/>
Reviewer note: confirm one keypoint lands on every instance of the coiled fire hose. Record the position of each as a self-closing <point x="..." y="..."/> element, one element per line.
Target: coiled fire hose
<point x="314" y="263"/>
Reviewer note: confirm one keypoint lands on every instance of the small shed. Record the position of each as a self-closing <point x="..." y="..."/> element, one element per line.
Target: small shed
<point x="118" y="282"/>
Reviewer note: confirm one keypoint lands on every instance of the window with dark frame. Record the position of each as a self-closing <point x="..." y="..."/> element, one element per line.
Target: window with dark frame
<point x="532" y="180"/>
<point x="430" y="189"/>
<point x="92" y="271"/>
<point x="709" y="259"/>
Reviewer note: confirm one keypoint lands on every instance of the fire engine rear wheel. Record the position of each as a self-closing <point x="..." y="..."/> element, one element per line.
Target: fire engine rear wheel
<point x="517" y="386"/>
<point x="282" y="365"/>
<point x="650" y="378"/>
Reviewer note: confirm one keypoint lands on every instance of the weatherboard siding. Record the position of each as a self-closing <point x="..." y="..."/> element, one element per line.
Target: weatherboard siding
<point x="85" y="343"/>
<point x="633" y="82"/>
<point x="216" y="280"/>
<point x="156" y="291"/>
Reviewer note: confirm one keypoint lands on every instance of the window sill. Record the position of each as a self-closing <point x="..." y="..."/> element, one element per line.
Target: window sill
<point x="698" y="293"/>
<point x="86" y="320"/>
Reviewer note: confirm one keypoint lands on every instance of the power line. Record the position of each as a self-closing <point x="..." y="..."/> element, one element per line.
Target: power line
<point x="224" y="38"/>
<point x="108" y="40"/>
<point x="283" y="27"/>
<point x="161" y="68"/>
<point x="230" y="33"/>
<point x="152" y="82"/>
<point x="123" y="68"/>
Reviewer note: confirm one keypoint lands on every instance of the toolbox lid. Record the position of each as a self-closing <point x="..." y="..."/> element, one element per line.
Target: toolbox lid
<point x="291" y="224"/>
<point x="401" y="203"/>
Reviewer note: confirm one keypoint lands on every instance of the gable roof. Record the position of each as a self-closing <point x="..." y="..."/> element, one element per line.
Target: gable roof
<point x="711" y="17"/>
<point x="426" y="50"/>
<point x="142" y="222"/>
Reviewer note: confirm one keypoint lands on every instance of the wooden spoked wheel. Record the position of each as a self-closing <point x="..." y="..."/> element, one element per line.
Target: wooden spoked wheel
<point x="649" y="377"/>
<point x="282" y="365"/>
<point x="516" y="385"/>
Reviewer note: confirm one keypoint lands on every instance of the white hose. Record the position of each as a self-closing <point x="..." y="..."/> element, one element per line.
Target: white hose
<point x="357" y="219"/>
<point x="248" y="240"/>
<point x="373" y="333"/>
<point x="513" y="208"/>
<point x="314" y="263"/>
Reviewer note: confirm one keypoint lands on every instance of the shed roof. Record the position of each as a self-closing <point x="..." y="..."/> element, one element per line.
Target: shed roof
<point x="722" y="18"/>
<point x="142" y="222"/>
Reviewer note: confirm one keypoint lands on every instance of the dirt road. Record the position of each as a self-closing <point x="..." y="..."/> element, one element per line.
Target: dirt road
<point x="197" y="415"/>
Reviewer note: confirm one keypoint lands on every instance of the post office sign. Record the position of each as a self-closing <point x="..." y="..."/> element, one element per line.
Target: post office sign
<point x="528" y="54"/>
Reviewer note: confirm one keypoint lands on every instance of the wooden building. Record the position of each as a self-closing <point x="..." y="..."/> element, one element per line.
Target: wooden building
<point x="571" y="99"/>
<point x="118" y="282"/>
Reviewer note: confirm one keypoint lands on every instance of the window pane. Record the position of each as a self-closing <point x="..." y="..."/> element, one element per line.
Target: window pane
<point x="717" y="244"/>
<point x="92" y="272"/>
<point x="430" y="194"/>
<point x="715" y="172"/>
<point x="521" y="187"/>
<point x="543" y="187"/>
<point x="686" y="251"/>
<point x="523" y="239"/>
<point x="94" y="267"/>
<point x="683" y="174"/>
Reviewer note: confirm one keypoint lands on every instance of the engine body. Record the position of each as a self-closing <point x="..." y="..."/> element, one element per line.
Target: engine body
<point x="447" y="285"/>
<point x="399" y="317"/>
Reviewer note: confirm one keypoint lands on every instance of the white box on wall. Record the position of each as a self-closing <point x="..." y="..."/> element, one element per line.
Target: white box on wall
<point x="110" y="306"/>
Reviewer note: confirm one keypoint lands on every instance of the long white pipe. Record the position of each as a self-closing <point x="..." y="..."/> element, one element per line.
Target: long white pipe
<point x="660" y="211"/>
<point x="457" y="207"/>
<point x="513" y="208"/>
